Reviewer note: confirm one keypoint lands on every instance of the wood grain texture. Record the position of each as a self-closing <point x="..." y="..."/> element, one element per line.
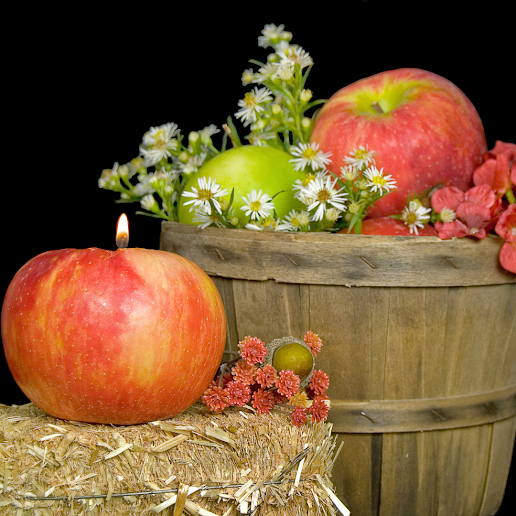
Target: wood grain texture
<point x="418" y="334"/>
<point x="337" y="259"/>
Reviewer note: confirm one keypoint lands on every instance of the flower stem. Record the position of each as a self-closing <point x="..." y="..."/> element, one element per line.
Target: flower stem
<point x="510" y="196"/>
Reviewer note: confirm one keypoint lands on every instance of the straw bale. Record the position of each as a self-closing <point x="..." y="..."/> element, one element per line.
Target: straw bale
<point x="230" y="463"/>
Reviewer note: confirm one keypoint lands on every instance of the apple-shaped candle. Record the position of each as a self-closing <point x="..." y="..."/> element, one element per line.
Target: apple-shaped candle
<point x="122" y="337"/>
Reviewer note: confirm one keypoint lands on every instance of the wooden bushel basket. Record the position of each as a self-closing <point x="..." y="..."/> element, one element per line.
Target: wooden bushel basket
<point x="419" y="341"/>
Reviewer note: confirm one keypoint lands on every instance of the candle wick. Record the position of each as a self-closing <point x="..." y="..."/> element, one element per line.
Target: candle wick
<point x="122" y="241"/>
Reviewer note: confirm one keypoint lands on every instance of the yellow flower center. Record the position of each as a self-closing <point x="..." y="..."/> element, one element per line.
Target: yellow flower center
<point x="411" y="218"/>
<point x="255" y="206"/>
<point x="378" y="180"/>
<point x="204" y="195"/>
<point x="308" y="178"/>
<point x="309" y="153"/>
<point x="249" y="99"/>
<point x="323" y="196"/>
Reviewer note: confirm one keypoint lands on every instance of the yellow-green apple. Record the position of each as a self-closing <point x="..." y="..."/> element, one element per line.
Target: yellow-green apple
<point x="122" y="337"/>
<point x="423" y="128"/>
<point x="246" y="168"/>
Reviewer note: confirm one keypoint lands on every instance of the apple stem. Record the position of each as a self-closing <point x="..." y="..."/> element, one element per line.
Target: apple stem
<point x="377" y="107"/>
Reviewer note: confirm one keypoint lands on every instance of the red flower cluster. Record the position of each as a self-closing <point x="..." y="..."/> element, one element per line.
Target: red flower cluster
<point x="487" y="206"/>
<point x="251" y="381"/>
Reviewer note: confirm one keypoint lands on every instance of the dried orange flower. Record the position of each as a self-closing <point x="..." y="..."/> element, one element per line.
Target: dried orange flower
<point x="299" y="416"/>
<point x="314" y="342"/>
<point x="244" y="373"/>
<point x="263" y="401"/>
<point x="215" y="398"/>
<point x="288" y="383"/>
<point x="267" y="376"/>
<point x="320" y="382"/>
<point x="238" y="393"/>
<point x="319" y="410"/>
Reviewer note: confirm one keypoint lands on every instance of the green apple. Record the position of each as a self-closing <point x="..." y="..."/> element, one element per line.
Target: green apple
<point x="247" y="168"/>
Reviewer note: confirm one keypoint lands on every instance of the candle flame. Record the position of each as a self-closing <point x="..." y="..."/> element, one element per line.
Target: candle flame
<point x="122" y="231"/>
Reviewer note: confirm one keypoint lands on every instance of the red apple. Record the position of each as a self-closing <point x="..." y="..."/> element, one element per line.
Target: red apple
<point x="423" y="129"/>
<point x="390" y="226"/>
<point x="122" y="337"/>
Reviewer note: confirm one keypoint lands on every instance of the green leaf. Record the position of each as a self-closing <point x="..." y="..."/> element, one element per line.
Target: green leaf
<point x="234" y="132"/>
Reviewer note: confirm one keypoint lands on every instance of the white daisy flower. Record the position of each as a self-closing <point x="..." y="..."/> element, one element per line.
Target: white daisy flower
<point x="192" y="164"/>
<point x="295" y="220"/>
<point x="257" y="205"/>
<point x="294" y="55"/>
<point x="158" y="142"/>
<point x="284" y="70"/>
<point x="324" y="196"/>
<point x="299" y="184"/>
<point x="360" y="157"/>
<point x="143" y="186"/>
<point x="348" y="172"/>
<point x="109" y="177"/>
<point x="265" y="72"/>
<point x="377" y="182"/>
<point x="149" y="203"/>
<point x="207" y="133"/>
<point x="272" y="34"/>
<point x="308" y="154"/>
<point x="268" y="224"/>
<point x="208" y="191"/>
<point x="448" y="215"/>
<point x="415" y="215"/>
<point x="251" y="104"/>
<point x="248" y="77"/>
<point x="260" y="139"/>
<point x="204" y="220"/>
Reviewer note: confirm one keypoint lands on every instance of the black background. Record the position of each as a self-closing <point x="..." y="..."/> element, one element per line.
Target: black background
<point x="83" y="86"/>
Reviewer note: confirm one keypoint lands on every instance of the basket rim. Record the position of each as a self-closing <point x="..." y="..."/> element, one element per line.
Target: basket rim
<point x="340" y="259"/>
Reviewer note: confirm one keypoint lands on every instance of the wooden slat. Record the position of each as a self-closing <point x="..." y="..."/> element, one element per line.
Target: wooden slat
<point x="502" y="443"/>
<point x="411" y="415"/>
<point x="337" y="259"/>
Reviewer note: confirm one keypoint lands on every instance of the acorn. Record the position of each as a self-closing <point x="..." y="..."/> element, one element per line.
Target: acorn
<point x="294" y="354"/>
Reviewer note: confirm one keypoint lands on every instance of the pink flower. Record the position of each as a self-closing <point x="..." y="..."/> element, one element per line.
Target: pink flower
<point x="252" y="350"/>
<point x="238" y="393"/>
<point x="506" y="228"/>
<point x="299" y="416"/>
<point x="267" y="376"/>
<point x="288" y="383"/>
<point x="507" y="256"/>
<point x="448" y="197"/>
<point x="474" y="211"/>
<point x="507" y="149"/>
<point x="263" y="401"/>
<point x="495" y="173"/>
